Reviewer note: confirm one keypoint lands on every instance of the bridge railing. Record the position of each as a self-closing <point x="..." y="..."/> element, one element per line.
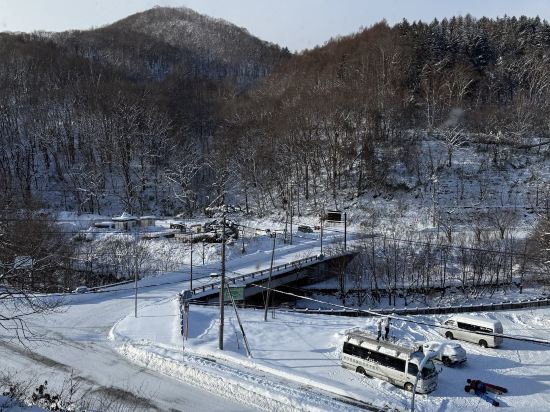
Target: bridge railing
<point x="434" y="310"/>
<point x="258" y="273"/>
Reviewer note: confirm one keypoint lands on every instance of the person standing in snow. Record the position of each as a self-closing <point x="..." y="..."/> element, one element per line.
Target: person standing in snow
<point x="379" y="328"/>
<point x="386" y="324"/>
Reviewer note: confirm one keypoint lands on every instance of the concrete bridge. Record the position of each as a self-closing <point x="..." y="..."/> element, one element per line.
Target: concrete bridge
<point x="307" y="270"/>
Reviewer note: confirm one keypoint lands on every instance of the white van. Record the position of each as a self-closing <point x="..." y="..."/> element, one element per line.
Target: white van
<point x="473" y="329"/>
<point x="394" y="363"/>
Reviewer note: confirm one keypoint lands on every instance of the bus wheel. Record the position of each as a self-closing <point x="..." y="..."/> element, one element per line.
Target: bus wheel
<point x="361" y="370"/>
<point x="409" y="387"/>
<point x="483" y="343"/>
<point x="449" y="335"/>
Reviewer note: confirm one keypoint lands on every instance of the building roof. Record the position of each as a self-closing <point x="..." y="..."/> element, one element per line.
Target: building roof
<point x="124" y="218"/>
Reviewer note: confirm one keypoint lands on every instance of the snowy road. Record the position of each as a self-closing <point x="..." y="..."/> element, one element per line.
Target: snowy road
<point x="84" y="350"/>
<point x="78" y="343"/>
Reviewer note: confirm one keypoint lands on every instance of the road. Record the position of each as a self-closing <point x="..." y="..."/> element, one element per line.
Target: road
<point x="61" y="350"/>
<point x="75" y="341"/>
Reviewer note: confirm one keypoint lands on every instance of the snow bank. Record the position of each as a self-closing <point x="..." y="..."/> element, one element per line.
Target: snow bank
<point x="231" y="383"/>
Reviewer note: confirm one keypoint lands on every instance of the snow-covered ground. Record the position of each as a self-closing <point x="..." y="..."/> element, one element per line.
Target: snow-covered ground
<point x="295" y="357"/>
<point x="75" y="340"/>
<point x="305" y="349"/>
<point x="10" y="405"/>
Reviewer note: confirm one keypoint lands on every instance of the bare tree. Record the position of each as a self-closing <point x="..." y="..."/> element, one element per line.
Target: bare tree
<point x="182" y="173"/>
<point x="32" y="260"/>
<point x="453" y="137"/>
<point x="503" y="219"/>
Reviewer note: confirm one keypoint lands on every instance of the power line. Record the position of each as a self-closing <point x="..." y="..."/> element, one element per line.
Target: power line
<point x="404" y="319"/>
<point x="371" y="312"/>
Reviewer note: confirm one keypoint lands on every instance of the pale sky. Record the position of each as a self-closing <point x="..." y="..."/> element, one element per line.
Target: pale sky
<point x="296" y="24"/>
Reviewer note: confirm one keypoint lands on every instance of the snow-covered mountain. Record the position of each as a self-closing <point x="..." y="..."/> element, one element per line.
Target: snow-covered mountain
<point x="161" y="41"/>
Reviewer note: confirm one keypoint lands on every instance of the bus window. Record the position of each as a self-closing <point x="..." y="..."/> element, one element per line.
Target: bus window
<point x="474" y="328"/>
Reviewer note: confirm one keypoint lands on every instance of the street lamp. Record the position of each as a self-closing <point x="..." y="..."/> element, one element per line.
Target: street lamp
<point x="243" y="250"/>
<point x="430" y="352"/>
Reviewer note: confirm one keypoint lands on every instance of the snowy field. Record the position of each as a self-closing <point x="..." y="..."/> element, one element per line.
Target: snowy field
<point x="305" y="349"/>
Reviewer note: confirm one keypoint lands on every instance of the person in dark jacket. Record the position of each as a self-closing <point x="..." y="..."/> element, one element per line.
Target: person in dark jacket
<point x="480" y="389"/>
<point x="379" y="329"/>
<point x="386" y="324"/>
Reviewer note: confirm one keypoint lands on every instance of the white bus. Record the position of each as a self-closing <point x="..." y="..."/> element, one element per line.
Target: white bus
<point x="468" y="328"/>
<point x="394" y="363"/>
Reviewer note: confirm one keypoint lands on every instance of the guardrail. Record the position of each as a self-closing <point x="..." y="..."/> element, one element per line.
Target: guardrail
<point x="241" y="278"/>
<point x="433" y="310"/>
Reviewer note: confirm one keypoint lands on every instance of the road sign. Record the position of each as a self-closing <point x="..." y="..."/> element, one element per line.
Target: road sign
<point x="237" y="292"/>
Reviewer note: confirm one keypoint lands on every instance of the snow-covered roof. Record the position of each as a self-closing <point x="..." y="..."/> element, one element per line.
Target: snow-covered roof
<point x="147" y="217"/>
<point x="475" y="320"/>
<point x="124" y="217"/>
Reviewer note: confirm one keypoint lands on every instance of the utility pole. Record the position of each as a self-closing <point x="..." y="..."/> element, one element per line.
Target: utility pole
<point x="135" y="290"/>
<point x="191" y="282"/>
<point x="345" y="231"/>
<point x="321" y="235"/>
<point x="274" y="235"/>
<point x="220" y="336"/>
<point x="291" y="207"/>
<point x="286" y="222"/>
<point x="136" y="236"/>
<point x="243" y="250"/>
<point x="203" y="252"/>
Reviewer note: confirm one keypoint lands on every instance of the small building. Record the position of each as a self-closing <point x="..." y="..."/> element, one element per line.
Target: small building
<point x="125" y="222"/>
<point x="147" y="221"/>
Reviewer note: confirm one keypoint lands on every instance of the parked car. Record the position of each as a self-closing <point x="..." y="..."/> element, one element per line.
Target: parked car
<point x="305" y="229"/>
<point x="81" y="289"/>
<point x="449" y="353"/>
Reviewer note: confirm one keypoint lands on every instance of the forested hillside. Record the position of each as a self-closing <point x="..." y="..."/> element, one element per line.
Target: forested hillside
<point x="346" y="115"/>
<point x="169" y="111"/>
<point x="121" y="117"/>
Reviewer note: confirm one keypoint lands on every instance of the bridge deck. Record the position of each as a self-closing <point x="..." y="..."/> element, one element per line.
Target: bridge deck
<point x="247" y="279"/>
